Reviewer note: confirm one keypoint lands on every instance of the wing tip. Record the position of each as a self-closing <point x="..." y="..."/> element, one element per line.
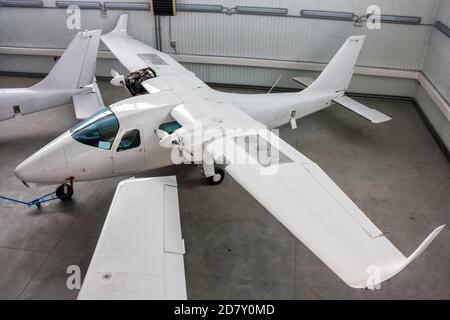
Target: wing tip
<point x="424" y="245"/>
<point x="382" y="119"/>
<point x="388" y="271"/>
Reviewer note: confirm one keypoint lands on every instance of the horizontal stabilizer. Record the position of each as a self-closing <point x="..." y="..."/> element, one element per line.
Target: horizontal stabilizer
<point x="304" y="81"/>
<point x="361" y="110"/>
<point x="87" y="103"/>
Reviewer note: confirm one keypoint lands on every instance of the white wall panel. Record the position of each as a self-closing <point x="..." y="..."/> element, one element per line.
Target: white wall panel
<point x="282" y="38"/>
<point x="443" y="14"/>
<point x="46" y="28"/>
<point x="437" y="65"/>
<point x="423" y="8"/>
<point x="440" y="123"/>
<point x="279" y="38"/>
<point x="437" y="70"/>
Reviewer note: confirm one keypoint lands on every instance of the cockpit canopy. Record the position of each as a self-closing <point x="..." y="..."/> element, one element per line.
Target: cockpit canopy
<point x="98" y="131"/>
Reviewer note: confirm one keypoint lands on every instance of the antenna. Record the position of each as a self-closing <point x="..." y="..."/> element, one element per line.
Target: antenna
<point x="276" y="82"/>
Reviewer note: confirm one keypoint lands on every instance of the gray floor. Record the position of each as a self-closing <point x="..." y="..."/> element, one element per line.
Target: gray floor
<point x="235" y="249"/>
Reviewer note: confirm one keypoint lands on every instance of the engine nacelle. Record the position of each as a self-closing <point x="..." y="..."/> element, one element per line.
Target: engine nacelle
<point x="118" y="81"/>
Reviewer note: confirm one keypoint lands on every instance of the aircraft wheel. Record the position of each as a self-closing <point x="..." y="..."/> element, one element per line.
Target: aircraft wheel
<point x="64" y="192"/>
<point x="217" y="178"/>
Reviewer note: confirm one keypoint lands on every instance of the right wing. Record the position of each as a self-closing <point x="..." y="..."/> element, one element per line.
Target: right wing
<point x="302" y="197"/>
<point x="139" y="254"/>
<point x="308" y="203"/>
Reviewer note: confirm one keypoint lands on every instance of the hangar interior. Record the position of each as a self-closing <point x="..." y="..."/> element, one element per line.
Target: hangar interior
<point x="397" y="172"/>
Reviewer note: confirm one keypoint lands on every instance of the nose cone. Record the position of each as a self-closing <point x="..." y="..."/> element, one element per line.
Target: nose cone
<point x="46" y="165"/>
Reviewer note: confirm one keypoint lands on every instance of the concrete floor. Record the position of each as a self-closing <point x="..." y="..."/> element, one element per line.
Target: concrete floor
<point x="235" y="249"/>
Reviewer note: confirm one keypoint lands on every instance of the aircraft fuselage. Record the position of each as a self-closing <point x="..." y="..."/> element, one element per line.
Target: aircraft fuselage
<point x="66" y="158"/>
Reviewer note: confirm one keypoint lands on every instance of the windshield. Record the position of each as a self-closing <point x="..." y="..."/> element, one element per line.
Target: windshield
<point x="97" y="131"/>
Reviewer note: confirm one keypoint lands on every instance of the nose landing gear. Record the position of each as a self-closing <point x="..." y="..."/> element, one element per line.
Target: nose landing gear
<point x="65" y="191"/>
<point x="213" y="174"/>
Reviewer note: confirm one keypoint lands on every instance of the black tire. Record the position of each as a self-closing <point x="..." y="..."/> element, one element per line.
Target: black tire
<point x="217" y="178"/>
<point x="64" y="192"/>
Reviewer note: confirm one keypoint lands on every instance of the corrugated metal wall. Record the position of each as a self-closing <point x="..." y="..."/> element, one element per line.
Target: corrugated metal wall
<point x="405" y="47"/>
<point x="280" y="38"/>
<point x="437" y="70"/>
<point x="311" y="40"/>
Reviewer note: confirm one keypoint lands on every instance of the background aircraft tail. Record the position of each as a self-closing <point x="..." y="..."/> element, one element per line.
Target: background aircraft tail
<point x="76" y="67"/>
<point x="338" y="73"/>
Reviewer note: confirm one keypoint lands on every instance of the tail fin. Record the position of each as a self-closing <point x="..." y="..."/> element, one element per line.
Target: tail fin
<point x="76" y="67"/>
<point x="337" y="75"/>
<point x="122" y="24"/>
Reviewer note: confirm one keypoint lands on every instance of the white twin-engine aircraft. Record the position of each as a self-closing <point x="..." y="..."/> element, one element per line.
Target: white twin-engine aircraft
<point x="140" y="251"/>
<point x="70" y="80"/>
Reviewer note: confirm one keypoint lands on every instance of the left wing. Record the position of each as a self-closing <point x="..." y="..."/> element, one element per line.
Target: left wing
<point x="139" y="254"/>
<point x="135" y="55"/>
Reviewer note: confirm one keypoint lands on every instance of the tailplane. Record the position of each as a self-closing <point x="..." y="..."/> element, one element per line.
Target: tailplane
<point x="76" y="67"/>
<point x="337" y="75"/>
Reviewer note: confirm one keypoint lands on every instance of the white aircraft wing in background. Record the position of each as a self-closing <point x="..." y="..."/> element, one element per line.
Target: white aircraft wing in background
<point x="135" y="55"/>
<point x="139" y="254"/>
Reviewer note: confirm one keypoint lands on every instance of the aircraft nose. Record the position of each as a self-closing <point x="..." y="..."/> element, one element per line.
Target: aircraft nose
<point x="45" y="166"/>
<point x="24" y="170"/>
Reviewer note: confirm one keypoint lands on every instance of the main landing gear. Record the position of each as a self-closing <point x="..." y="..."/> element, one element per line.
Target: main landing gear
<point x="214" y="175"/>
<point x="217" y="178"/>
<point x="65" y="191"/>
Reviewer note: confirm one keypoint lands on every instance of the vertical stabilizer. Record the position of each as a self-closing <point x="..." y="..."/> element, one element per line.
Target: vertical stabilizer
<point x="338" y="73"/>
<point x="76" y="67"/>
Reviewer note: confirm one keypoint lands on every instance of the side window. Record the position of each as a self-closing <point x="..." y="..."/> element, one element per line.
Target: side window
<point x="130" y="140"/>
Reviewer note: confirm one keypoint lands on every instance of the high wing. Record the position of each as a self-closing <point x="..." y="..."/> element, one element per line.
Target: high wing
<point x="139" y="254"/>
<point x="135" y="55"/>
<point x="308" y="203"/>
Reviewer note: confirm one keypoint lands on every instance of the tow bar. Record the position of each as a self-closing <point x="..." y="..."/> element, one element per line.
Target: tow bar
<point x="36" y="202"/>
